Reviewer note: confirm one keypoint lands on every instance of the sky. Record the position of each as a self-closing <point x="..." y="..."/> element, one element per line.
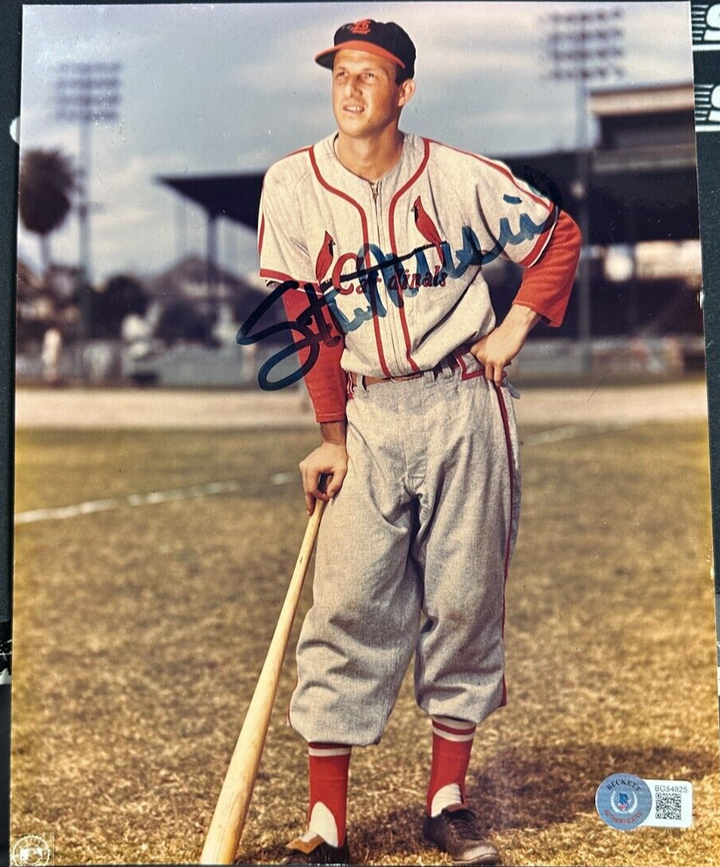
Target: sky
<point x="222" y="88"/>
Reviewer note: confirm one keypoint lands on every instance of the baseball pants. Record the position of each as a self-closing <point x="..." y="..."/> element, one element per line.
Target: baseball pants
<point x="412" y="556"/>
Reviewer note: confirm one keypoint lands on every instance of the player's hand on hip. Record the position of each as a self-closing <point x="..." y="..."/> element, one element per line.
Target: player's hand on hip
<point x="495" y="352"/>
<point x="330" y="459"/>
<point x="497" y="349"/>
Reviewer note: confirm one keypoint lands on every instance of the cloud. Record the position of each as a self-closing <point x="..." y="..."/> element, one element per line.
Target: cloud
<point x="668" y="56"/>
<point x="54" y="34"/>
<point x="459" y="42"/>
<point x="136" y="171"/>
<point x="253" y="160"/>
<point x="39" y="129"/>
<point x="477" y="36"/>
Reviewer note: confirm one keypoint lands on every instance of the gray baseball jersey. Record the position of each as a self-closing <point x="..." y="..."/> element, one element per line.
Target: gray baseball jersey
<point x="400" y="261"/>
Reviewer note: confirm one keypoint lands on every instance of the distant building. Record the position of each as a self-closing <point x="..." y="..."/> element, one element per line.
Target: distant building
<point x="645" y="165"/>
<point x="645" y="126"/>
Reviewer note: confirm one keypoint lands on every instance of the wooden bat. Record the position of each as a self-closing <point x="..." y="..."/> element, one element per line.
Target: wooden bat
<point x="232" y="807"/>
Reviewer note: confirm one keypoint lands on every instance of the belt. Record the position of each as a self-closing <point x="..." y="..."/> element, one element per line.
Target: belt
<point x="366" y="380"/>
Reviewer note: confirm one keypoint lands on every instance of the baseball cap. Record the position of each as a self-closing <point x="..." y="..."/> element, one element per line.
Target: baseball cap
<point x="387" y="40"/>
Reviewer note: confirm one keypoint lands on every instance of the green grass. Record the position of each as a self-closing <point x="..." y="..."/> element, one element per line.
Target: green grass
<point x="139" y="634"/>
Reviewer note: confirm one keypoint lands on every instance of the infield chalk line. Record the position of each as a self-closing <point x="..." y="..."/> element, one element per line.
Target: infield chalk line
<point x="89" y="507"/>
<point x="569" y="432"/>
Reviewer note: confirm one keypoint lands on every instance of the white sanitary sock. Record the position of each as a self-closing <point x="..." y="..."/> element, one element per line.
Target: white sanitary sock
<point x="444" y="797"/>
<point x="322" y="822"/>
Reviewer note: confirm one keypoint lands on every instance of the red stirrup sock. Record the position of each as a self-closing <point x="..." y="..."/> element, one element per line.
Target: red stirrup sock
<point x="329" y="765"/>
<point x="452" y="742"/>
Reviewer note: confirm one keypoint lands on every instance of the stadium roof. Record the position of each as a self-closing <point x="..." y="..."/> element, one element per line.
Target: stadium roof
<point x="235" y="196"/>
<point x="642" y="100"/>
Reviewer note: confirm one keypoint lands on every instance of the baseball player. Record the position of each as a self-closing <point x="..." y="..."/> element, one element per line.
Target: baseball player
<point x="389" y="232"/>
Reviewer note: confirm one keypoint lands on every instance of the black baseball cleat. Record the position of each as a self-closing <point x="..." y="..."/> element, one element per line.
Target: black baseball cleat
<point x="316" y="851"/>
<point x="455" y="831"/>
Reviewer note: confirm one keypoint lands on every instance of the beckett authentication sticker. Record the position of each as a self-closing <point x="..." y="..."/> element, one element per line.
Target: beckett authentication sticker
<point x="626" y="802"/>
<point x="623" y="801"/>
<point x="672" y="804"/>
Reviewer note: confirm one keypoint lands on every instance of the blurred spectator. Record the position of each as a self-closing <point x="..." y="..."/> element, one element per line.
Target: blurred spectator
<point x="121" y="296"/>
<point x="51" y="355"/>
<point x="182" y="320"/>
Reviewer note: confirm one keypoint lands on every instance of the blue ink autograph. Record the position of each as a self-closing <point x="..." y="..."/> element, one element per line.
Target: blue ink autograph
<point x="400" y="284"/>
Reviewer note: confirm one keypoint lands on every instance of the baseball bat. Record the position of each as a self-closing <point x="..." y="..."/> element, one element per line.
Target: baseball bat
<point x="232" y="807"/>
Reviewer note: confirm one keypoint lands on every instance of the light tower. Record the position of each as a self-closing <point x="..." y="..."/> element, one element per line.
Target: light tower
<point x="87" y="94"/>
<point x="584" y="46"/>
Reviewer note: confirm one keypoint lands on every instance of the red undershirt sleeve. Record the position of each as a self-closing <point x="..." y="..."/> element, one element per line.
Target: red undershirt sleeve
<point x="326" y="381"/>
<point x="547" y="283"/>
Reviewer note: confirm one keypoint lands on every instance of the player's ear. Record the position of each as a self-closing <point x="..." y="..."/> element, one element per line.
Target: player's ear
<point x="407" y="89"/>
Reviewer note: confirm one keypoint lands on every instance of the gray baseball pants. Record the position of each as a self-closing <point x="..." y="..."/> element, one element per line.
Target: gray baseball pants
<point x="412" y="555"/>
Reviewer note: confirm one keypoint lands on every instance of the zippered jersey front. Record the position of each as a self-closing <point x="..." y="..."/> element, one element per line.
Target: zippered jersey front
<point x="391" y="319"/>
<point x="399" y="261"/>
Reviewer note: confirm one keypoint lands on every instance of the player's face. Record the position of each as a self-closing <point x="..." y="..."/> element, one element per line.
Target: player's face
<point x="366" y="99"/>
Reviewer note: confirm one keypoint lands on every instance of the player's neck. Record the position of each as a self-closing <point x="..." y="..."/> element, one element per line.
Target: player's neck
<point x="370" y="158"/>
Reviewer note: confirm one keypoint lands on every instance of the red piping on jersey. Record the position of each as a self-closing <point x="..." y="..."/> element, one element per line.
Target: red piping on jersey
<point x="541" y="241"/>
<point x="275" y="275"/>
<point x="458" y="353"/>
<point x="502" y="171"/>
<point x="261" y="233"/>
<point x="363" y="221"/>
<point x="293" y="153"/>
<point x="393" y="246"/>
<point x="508" y="443"/>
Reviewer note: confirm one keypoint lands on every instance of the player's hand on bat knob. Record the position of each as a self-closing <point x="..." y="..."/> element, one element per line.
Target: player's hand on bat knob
<point x="330" y="459"/>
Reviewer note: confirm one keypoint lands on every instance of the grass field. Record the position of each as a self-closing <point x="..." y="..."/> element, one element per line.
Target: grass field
<point x="139" y="633"/>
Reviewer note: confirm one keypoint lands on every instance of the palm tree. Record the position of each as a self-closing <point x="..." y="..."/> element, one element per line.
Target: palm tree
<point x="47" y="179"/>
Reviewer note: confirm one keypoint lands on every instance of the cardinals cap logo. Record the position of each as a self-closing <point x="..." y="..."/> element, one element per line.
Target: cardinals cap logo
<point x="361" y="27"/>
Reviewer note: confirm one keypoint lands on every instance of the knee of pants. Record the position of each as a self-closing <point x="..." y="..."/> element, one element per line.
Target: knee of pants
<point x="460" y="639"/>
<point x="348" y="679"/>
